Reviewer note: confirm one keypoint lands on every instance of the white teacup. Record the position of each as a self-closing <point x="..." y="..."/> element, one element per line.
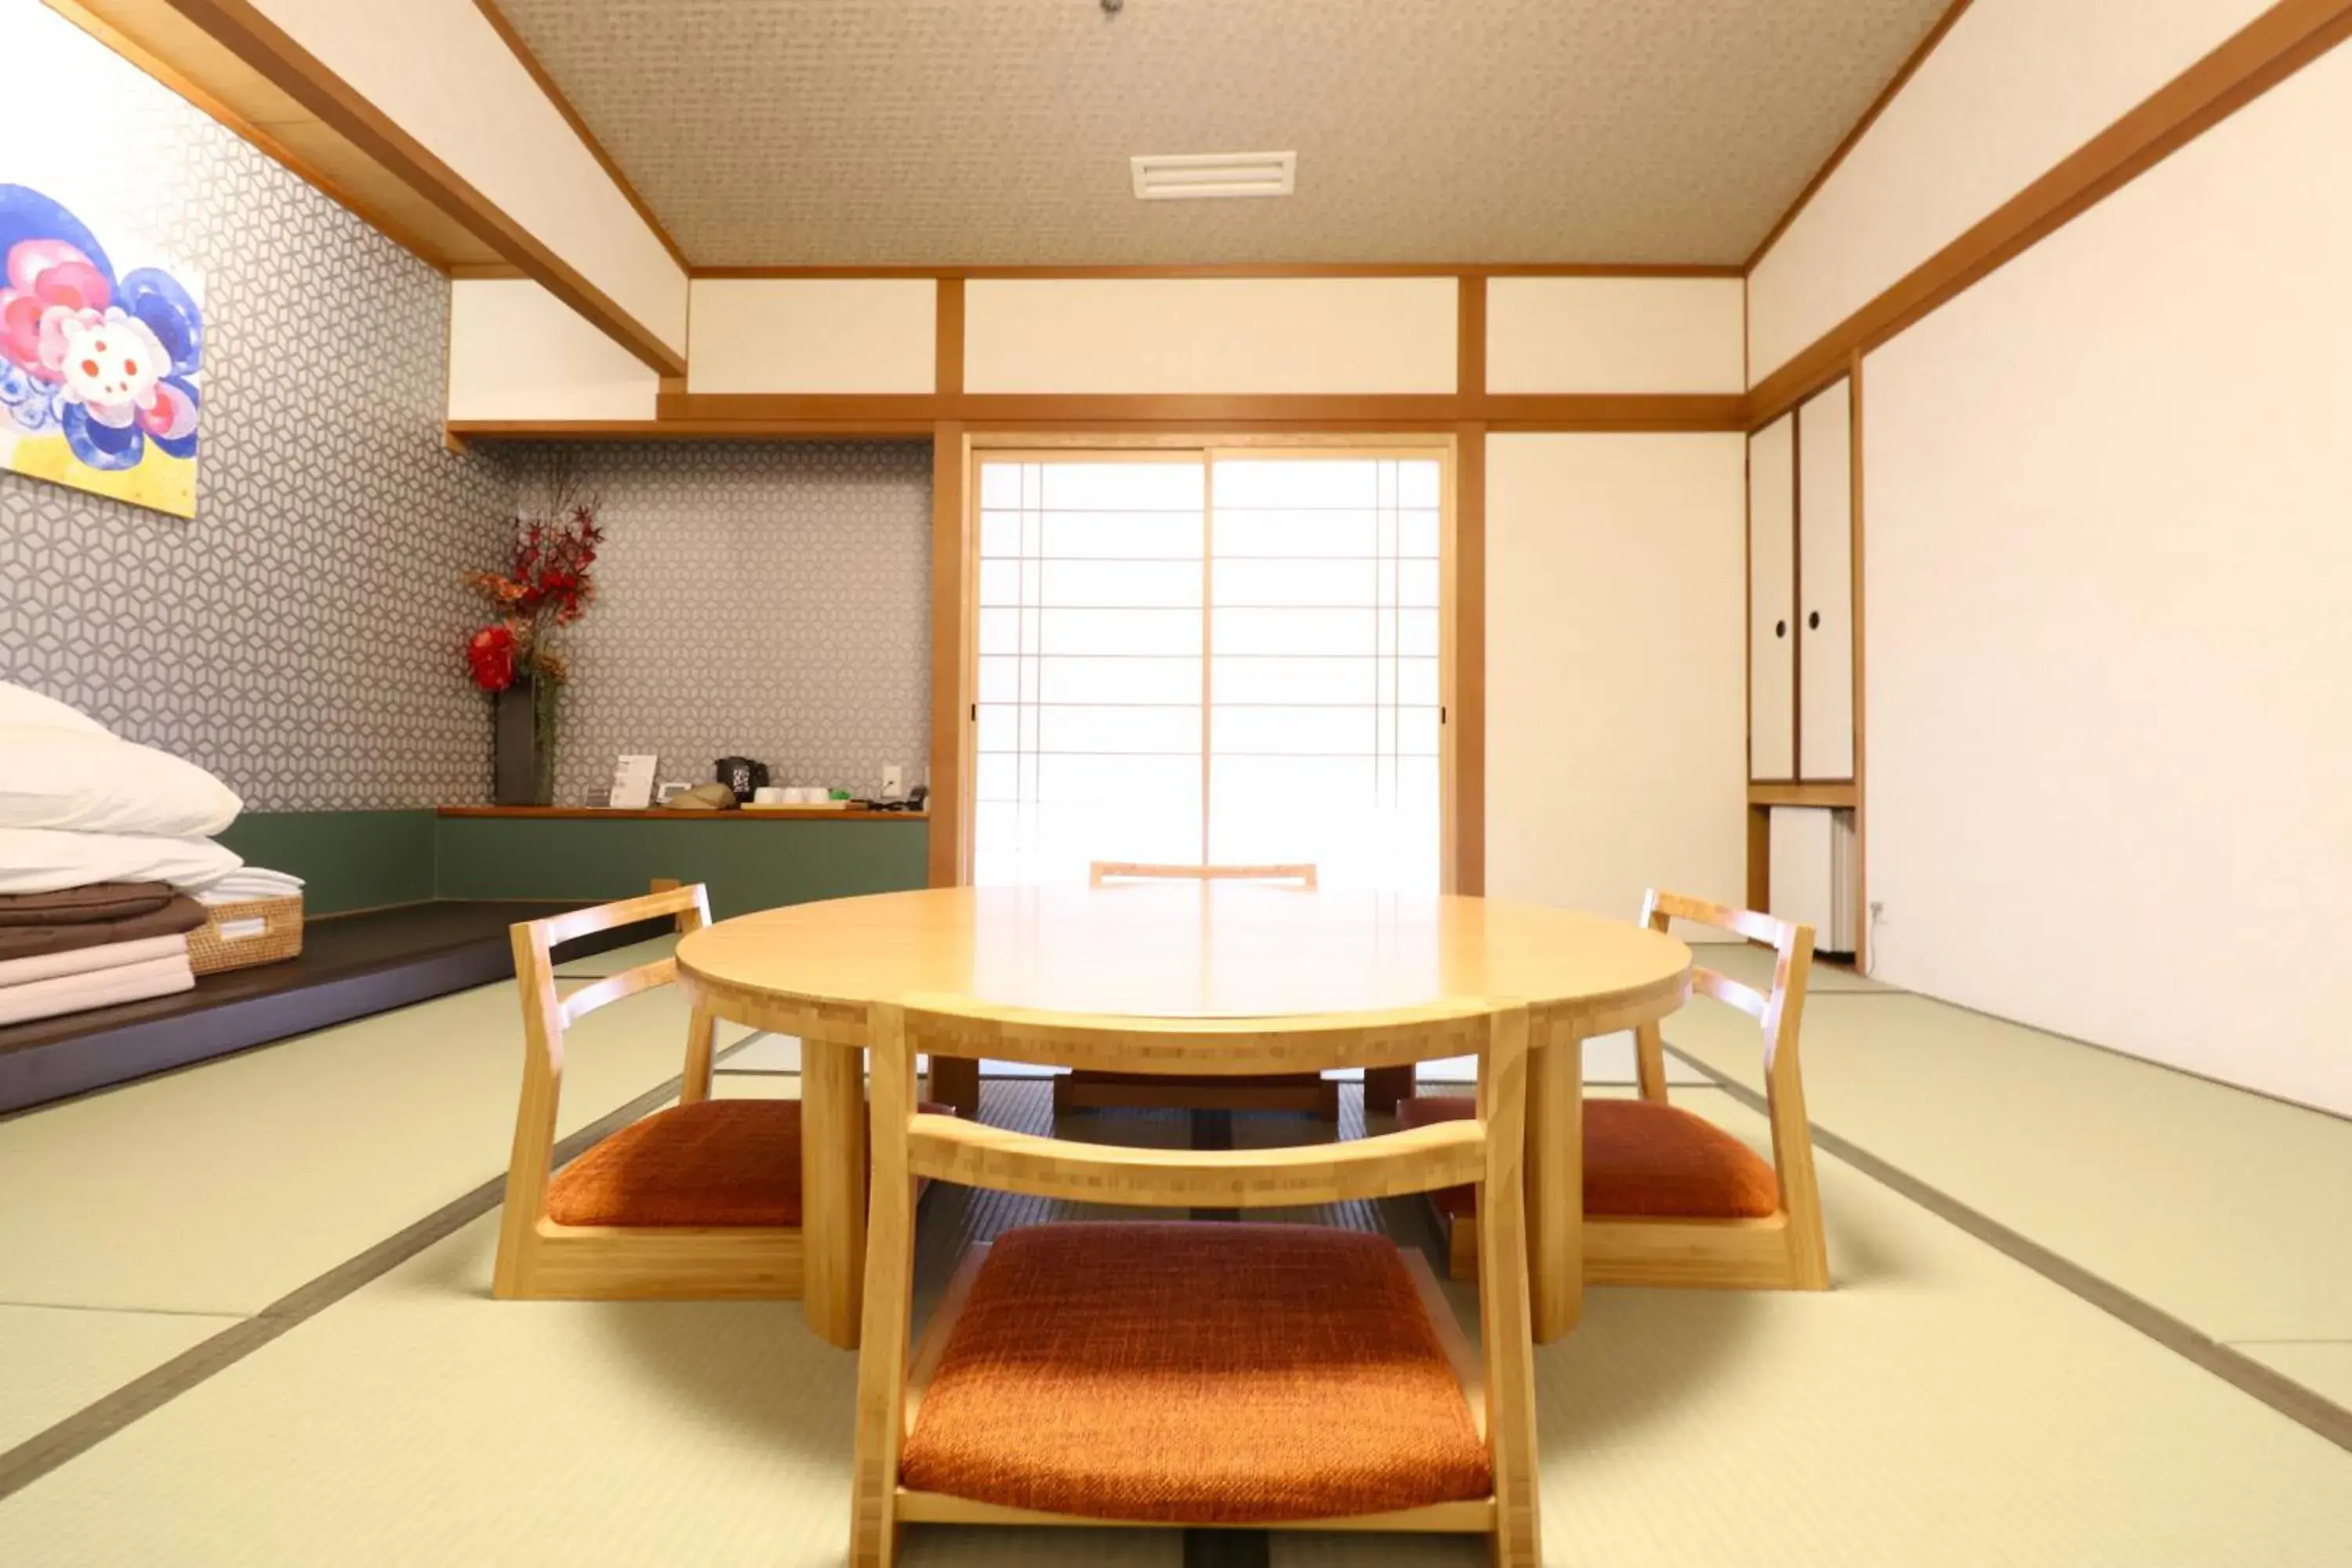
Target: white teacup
<point x="769" y="795"/>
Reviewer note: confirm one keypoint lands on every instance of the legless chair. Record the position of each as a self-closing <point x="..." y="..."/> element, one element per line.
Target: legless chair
<point x="1309" y="1094"/>
<point x="702" y="1200"/>
<point x="1669" y="1197"/>
<point x="1185" y="1373"/>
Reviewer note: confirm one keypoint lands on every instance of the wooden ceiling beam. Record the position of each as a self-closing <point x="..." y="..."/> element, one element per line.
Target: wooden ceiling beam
<point x="232" y="60"/>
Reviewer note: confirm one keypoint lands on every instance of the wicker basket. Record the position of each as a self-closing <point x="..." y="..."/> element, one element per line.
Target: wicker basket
<point x="239" y="936"/>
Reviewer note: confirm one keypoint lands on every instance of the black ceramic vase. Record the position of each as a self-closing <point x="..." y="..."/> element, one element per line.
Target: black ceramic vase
<point x="523" y="745"/>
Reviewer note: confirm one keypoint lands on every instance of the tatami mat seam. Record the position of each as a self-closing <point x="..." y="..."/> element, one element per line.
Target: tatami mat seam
<point x="124" y="1311"/>
<point x="2289" y="1398"/>
<point x="94" y="1423"/>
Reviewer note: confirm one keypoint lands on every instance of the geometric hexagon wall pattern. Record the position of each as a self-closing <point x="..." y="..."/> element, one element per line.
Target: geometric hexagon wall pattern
<point x="300" y="636"/>
<point x="753" y="599"/>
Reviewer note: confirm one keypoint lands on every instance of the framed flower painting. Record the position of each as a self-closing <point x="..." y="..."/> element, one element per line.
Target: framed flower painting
<point x="101" y="358"/>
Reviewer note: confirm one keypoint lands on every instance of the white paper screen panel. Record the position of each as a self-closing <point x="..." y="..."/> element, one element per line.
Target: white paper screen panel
<point x="1201" y="336"/>
<point x="1258" y="626"/>
<point x="814" y="335"/>
<point x="517" y="352"/>
<point x="1615" y="334"/>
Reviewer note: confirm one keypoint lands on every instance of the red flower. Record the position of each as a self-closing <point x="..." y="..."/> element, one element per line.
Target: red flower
<point x="548" y="582"/>
<point x="491" y="655"/>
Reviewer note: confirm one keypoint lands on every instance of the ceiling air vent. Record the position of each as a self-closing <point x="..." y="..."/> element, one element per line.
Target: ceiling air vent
<point x="1191" y="176"/>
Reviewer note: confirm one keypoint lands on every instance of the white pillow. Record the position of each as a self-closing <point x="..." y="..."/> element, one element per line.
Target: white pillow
<point x="96" y="783"/>
<point x="20" y="705"/>
<point x="43" y="861"/>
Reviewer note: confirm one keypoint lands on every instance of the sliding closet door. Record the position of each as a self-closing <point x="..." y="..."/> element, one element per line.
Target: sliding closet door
<point x="1088" y="663"/>
<point x="1825" y="582"/>
<point x="1772" y="601"/>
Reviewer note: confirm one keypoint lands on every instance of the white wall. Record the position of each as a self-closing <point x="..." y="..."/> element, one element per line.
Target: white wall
<point x="517" y="352"/>
<point x="2009" y="92"/>
<point x="1240" y="335"/>
<point x="1615" y="334"/>
<point x="1616" y="703"/>
<point x="814" y="335"/>
<point x="444" y="75"/>
<point x="2109" y="617"/>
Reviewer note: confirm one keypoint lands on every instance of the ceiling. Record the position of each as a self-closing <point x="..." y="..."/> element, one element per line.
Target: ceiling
<point x="938" y="133"/>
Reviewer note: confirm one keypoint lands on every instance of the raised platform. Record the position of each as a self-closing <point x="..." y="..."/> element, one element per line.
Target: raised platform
<point x="351" y="966"/>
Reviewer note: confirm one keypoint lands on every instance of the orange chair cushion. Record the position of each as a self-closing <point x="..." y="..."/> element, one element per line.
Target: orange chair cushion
<point x="716" y="1161"/>
<point x="1641" y="1160"/>
<point x="1201" y="1373"/>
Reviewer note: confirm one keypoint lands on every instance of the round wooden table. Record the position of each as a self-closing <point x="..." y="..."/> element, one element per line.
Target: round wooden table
<point x="1175" y="950"/>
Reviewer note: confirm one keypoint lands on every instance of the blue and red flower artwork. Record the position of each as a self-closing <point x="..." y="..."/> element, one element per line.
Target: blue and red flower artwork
<point x="97" y="369"/>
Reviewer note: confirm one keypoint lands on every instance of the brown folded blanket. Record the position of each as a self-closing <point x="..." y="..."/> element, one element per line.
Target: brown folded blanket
<point x="175" y="916"/>
<point x="92" y="902"/>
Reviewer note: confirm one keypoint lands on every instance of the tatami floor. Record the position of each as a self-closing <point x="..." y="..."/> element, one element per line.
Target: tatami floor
<point x="243" y="1319"/>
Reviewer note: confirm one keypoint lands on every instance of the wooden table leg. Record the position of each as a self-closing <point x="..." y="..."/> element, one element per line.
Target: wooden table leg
<point x="955" y="1080"/>
<point x="1384" y="1087"/>
<point x="833" y="1189"/>
<point x="1555" y="1186"/>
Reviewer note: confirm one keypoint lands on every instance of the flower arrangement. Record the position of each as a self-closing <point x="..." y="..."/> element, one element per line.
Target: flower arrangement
<point x="549" y="582"/>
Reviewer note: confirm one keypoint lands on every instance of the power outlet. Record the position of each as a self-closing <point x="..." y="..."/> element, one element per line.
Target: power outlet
<point x="894" y="781"/>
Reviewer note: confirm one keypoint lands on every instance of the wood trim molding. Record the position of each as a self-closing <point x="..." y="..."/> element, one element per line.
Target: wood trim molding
<point x="430" y="248"/>
<point x="1841" y="793"/>
<point x="1255" y="270"/>
<point x="951" y="554"/>
<point x="664" y="813"/>
<point x="1862" y="935"/>
<point x="269" y="49"/>
<point x="1470" y="339"/>
<point x="1466" y="722"/>
<point x="2261" y="54"/>
<point x="1612" y="411"/>
<point x="465" y="430"/>
<point x="539" y="73"/>
<point x="1909" y="67"/>
<point x="1566" y="411"/>
<point x="947" y="375"/>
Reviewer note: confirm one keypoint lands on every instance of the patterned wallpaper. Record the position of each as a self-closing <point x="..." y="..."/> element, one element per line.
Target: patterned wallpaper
<point x="768" y="601"/>
<point x="300" y="637"/>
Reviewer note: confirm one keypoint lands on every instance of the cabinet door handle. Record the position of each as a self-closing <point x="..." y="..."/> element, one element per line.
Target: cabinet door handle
<point x="1780" y="628"/>
<point x="1813" y="621"/>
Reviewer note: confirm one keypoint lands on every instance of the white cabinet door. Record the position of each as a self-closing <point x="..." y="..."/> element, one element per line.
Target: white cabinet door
<point x="1804" y="887"/>
<point x="1772" y="601"/>
<point x="1825" y="585"/>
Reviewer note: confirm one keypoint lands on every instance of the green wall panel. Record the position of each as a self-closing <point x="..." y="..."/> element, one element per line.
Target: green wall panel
<point x="350" y="859"/>
<point x="747" y="865"/>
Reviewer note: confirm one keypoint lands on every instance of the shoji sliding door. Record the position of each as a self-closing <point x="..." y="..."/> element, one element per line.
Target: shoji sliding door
<point x="1208" y="656"/>
<point x="1324" y="681"/>
<point x="1089" y="670"/>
